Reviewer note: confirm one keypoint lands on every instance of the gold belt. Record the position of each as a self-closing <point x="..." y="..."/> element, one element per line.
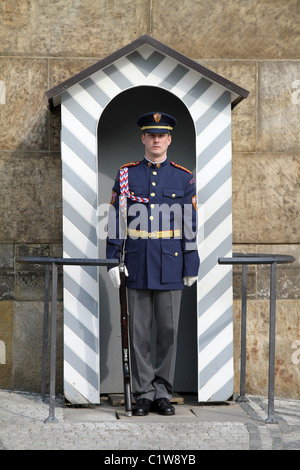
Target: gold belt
<point x="163" y="234"/>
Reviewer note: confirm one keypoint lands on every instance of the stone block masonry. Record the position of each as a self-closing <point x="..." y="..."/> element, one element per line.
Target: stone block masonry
<point x="256" y="45"/>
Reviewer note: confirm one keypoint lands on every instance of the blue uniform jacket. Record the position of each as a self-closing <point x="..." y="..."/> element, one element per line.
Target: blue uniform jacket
<point x="160" y="248"/>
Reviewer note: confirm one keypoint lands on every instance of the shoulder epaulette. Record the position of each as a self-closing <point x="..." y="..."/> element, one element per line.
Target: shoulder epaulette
<point x="130" y="164"/>
<point x="181" y="167"/>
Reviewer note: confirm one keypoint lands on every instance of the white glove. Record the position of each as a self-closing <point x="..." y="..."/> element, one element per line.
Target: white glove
<point x="189" y="280"/>
<point x="114" y="275"/>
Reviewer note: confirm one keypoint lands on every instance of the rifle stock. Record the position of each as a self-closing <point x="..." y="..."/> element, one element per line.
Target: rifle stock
<point x="125" y="342"/>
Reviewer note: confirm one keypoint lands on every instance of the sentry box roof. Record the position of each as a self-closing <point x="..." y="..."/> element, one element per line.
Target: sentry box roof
<point x="137" y="51"/>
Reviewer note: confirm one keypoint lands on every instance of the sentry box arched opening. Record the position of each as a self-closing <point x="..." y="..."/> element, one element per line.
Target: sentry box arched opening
<point x="131" y="81"/>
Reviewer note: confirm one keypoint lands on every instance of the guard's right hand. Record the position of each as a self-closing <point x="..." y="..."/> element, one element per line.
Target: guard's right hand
<point x="114" y="275"/>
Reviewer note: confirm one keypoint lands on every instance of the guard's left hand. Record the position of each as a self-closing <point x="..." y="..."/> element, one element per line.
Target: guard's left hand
<point x="189" y="280"/>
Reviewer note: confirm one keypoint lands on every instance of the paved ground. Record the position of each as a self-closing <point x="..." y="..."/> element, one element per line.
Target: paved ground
<point x="235" y="426"/>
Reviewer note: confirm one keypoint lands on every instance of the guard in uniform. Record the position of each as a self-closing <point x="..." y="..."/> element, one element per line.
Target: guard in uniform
<point x="155" y="199"/>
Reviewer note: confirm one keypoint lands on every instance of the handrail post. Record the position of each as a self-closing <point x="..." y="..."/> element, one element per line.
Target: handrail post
<point x="271" y="418"/>
<point x="51" y="418"/>
<point x="242" y="397"/>
<point x="45" y="332"/>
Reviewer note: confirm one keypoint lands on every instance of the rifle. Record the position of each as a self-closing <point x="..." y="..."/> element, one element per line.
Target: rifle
<point x="125" y="340"/>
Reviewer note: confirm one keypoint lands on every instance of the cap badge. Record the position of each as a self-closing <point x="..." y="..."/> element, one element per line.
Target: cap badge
<point x="157" y="117"/>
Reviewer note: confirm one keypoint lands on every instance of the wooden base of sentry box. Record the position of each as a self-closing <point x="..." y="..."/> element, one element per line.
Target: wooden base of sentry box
<point x="117" y="399"/>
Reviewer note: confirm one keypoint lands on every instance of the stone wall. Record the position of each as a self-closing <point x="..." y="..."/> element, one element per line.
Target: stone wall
<point x="256" y="45"/>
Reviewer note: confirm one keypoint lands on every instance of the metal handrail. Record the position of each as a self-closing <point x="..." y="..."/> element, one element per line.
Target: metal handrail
<point x="54" y="263"/>
<point x="237" y="258"/>
<point x="252" y="258"/>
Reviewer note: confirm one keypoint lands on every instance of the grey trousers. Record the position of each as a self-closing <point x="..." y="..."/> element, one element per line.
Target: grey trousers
<point x="150" y="381"/>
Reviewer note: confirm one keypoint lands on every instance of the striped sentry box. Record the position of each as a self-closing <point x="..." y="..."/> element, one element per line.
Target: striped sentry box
<point x="209" y="104"/>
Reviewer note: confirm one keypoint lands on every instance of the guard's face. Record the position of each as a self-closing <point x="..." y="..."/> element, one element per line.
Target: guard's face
<point x="156" y="145"/>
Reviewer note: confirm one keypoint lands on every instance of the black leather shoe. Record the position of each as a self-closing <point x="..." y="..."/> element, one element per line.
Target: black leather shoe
<point x="142" y="407"/>
<point x="164" y="407"/>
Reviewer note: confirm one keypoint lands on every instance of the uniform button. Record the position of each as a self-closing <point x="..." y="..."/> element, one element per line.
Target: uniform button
<point x="152" y="194"/>
<point x="153" y="183"/>
<point x="176" y="254"/>
<point x="132" y="192"/>
<point x="152" y="206"/>
<point x="154" y="173"/>
<point x="173" y="195"/>
<point x="151" y="217"/>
